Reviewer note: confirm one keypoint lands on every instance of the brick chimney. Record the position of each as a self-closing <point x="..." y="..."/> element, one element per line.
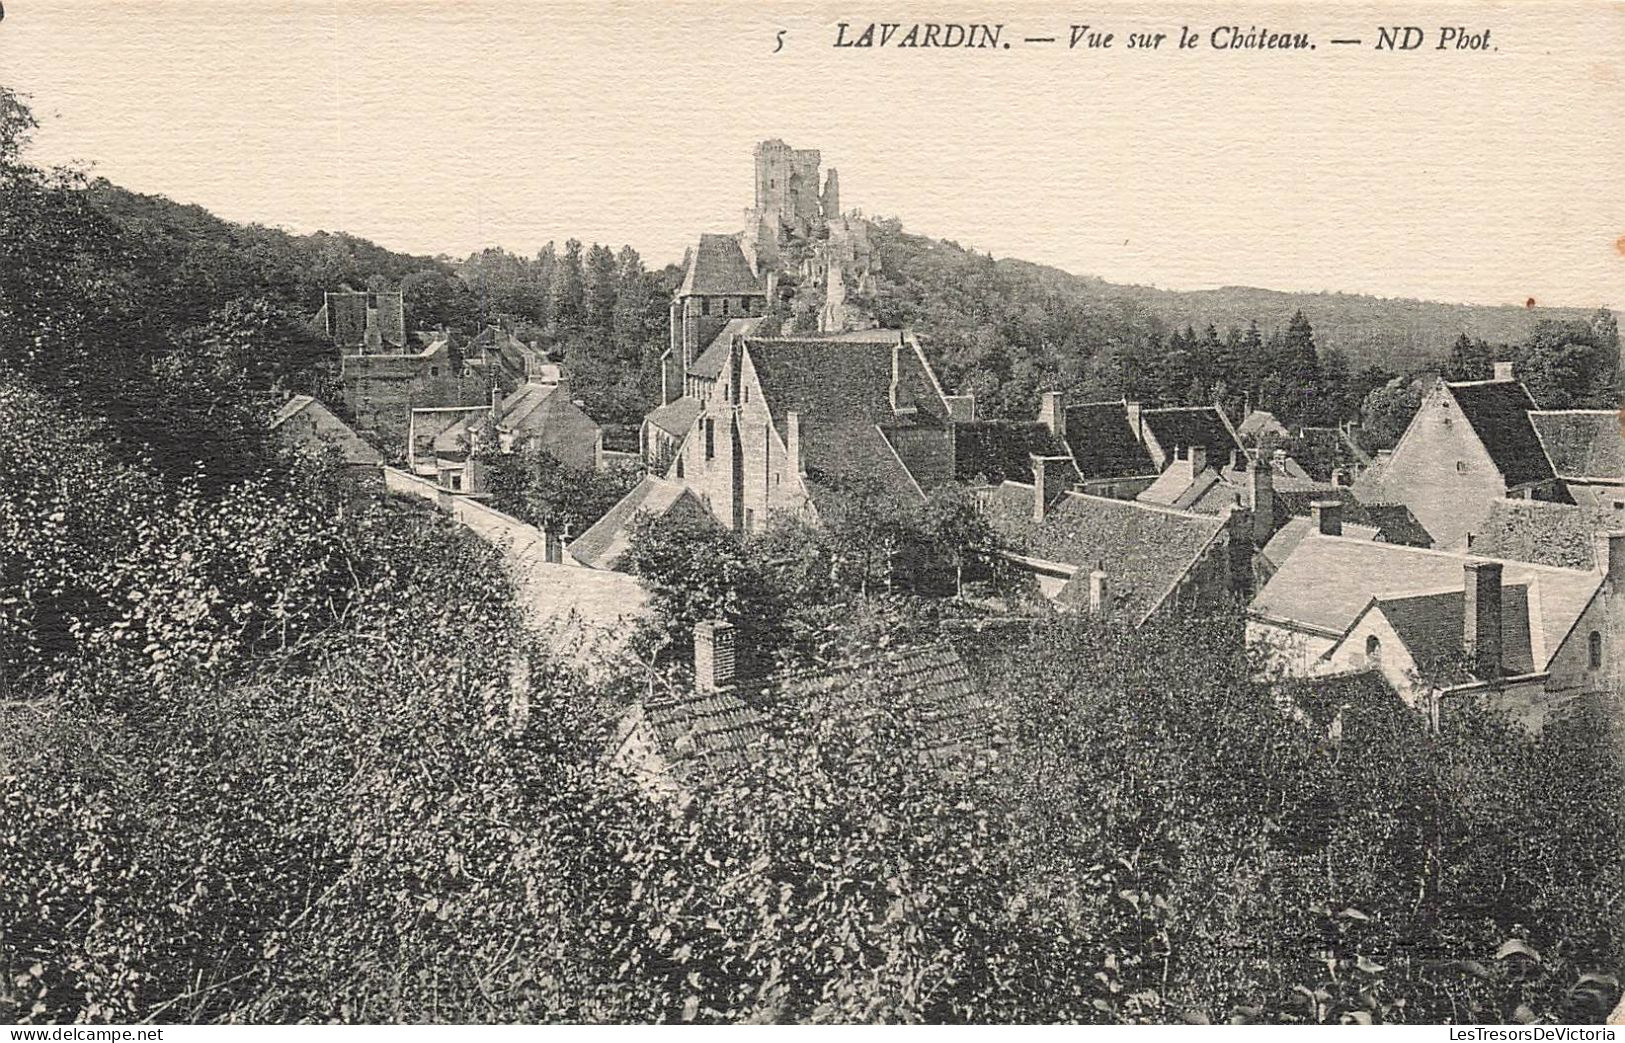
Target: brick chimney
<point x="1610" y="553"/>
<point x="552" y="547"/>
<point x="715" y="655"/>
<point x="792" y="442"/>
<point x="1049" y="481"/>
<point x="1099" y="606"/>
<point x="1197" y="455"/>
<point x="1261" y="499"/>
<point x="1052" y="413"/>
<point x="1327" y="516"/>
<point x="1503" y="370"/>
<point x="1481" y="617"/>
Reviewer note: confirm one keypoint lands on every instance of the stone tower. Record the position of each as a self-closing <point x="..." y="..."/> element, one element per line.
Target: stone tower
<point x="787" y="186"/>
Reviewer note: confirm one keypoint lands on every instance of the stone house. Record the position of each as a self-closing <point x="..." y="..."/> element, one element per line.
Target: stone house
<point x="305" y="424"/>
<point x="381" y="388"/>
<point x="447" y="441"/>
<point x="1532" y="639"/>
<point x="1470" y="444"/>
<point x="794" y="425"/>
<point x="1118" y="559"/>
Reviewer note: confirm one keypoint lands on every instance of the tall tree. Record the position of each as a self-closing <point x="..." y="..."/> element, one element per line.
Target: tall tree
<point x="568" y="290"/>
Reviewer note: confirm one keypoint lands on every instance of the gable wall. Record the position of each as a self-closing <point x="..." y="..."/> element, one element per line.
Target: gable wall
<point x="1423" y="474"/>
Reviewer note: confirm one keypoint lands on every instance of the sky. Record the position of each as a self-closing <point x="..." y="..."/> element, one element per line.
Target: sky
<point x="1483" y="177"/>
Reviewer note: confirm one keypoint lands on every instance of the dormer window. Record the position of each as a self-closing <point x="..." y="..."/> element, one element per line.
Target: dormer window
<point x="1594" y="650"/>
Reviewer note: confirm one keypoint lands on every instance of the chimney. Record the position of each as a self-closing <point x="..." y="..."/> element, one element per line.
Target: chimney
<point x="552" y="547"/>
<point x="496" y="401"/>
<point x="1503" y="370"/>
<point x="1481" y="617"/>
<point x="792" y="441"/>
<point x="736" y="357"/>
<point x="1197" y="455"/>
<point x="1052" y="413"/>
<point x="1098" y="605"/>
<point x="714" y="655"/>
<point x="1261" y="499"/>
<point x="1049" y="481"/>
<point x="1610" y="552"/>
<point x="1134" y="423"/>
<point x="1328" y="517"/>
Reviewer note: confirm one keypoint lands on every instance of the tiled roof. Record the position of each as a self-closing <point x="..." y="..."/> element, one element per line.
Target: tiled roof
<point x="1175" y="487"/>
<point x="1326" y="581"/>
<point x="717" y="266"/>
<point x="1583" y="443"/>
<point x="327" y="429"/>
<point x="522" y="404"/>
<point x="841" y="389"/>
<point x="1498" y="411"/>
<point x="1144" y="550"/>
<point x="603" y="544"/>
<point x="1393" y="522"/>
<point x="1180" y="427"/>
<point x="705" y="734"/>
<point x="1431" y="627"/>
<point x="1103" y="443"/>
<point x="1545" y="533"/>
<point x="1288" y="536"/>
<point x="710" y="361"/>
<point x="994" y="451"/>
<point x="676" y="416"/>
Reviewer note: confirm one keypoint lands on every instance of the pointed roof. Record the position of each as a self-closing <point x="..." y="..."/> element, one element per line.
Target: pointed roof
<point x="1583" y="444"/>
<point x="1327" y="581"/>
<point x="291" y="408"/>
<point x="1431" y="628"/>
<point x="1104" y="444"/>
<point x="1180" y="427"/>
<point x="715" y="356"/>
<point x="676" y="416"/>
<point x="1145" y="550"/>
<point x="1498" y="411"/>
<point x="843" y="391"/>
<point x="718" y="267"/>
<point x="998" y="450"/>
<point x="604" y="543"/>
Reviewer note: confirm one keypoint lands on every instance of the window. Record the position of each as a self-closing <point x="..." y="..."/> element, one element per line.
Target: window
<point x="1595" y="649"/>
<point x="456" y="483"/>
<point x="679" y="467"/>
<point x="1461" y="466"/>
<point x="1373" y="647"/>
<point x="710" y="439"/>
<point x="725" y="303"/>
<point x="750" y="519"/>
<point x="434" y="371"/>
<point x="1619" y="505"/>
<point x="705" y="306"/>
